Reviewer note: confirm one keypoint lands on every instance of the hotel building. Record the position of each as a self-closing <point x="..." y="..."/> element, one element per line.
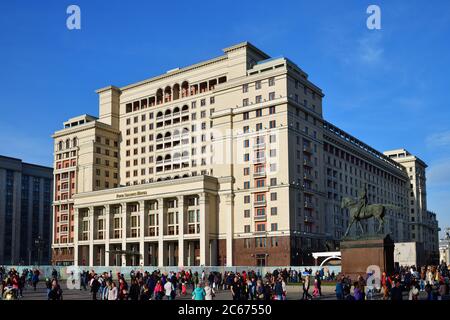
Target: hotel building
<point x="225" y="162"/>
<point x="25" y="212"/>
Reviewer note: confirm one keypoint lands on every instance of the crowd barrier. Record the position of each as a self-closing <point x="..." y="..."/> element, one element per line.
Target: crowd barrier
<point x="65" y="271"/>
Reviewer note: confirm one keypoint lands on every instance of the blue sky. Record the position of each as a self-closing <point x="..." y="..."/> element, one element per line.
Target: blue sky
<point x="388" y="87"/>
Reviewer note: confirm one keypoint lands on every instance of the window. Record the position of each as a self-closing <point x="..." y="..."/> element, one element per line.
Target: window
<point x="247" y="213"/>
<point x="273" y="153"/>
<point x="247" y="228"/>
<point x="245" y="102"/>
<point x="246" y="184"/>
<point x="258" y="84"/>
<point x="246" y="143"/>
<point x="245" y="88"/>
<point x="272" y="138"/>
<point x="246" y="199"/>
<point x="273" y="196"/>
<point x="273" y="211"/>
<point x="274" y="226"/>
<point x="271" y="96"/>
<point x="259" y="113"/>
<point x="271" y="81"/>
<point x="272" y="124"/>
<point x="260" y="183"/>
<point x="245" y="116"/>
<point x="258" y="99"/>
<point x="272" y="110"/>
<point x="273" y="181"/>
<point x="246" y="171"/>
<point x="261" y="227"/>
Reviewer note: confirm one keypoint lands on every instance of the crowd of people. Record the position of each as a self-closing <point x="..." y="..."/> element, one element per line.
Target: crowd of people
<point x="13" y="283"/>
<point x="245" y="285"/>
<point x="404" y="283"/>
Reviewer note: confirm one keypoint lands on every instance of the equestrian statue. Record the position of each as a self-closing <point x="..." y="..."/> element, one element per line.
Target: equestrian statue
<point x="361" y="210"/>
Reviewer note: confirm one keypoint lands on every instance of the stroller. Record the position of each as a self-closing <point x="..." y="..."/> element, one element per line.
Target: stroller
<point x="10" y="293"/>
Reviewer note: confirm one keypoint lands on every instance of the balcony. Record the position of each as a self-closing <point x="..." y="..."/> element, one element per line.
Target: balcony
<point x="309" y="205"/>
<point x="260" y="217"/>
<point x="307" y="149"/>
<point x="259" y="203"/>
<point x="259" y="145"/>
<point x="259" y="174"/>
<point x="307" y="176"/>
<point x="308" y="190"/>
<point x="259" y="160"/>
<point x="307" y="163"/>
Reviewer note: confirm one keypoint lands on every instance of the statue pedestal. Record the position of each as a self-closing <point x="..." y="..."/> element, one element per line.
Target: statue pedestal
<point x="358" y="254"/>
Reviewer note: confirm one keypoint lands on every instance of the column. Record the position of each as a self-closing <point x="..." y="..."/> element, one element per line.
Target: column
<point x="230" y="228"/>
<point x="191" y="254"/>
<point x="170" y="253"/>
<point x="204" y="229"/>
<point x="161" y="250"/>
<point x="181" y="226"/>
<point x="75" y="237"/>
<point x="213" y="252"/>
<point x="107" y="233"/>
<point x="124" y="232"/>
<point x="91" y="236"/>
<point x="141" y="233"/>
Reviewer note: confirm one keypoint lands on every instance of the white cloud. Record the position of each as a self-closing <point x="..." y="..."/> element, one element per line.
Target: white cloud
<point x="370" y="50"/>
<point x="438" y="174"/>
<point x="440" y="139"/>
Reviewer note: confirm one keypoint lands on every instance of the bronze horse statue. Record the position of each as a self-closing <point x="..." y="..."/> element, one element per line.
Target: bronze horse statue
<point x="376" y="211"/>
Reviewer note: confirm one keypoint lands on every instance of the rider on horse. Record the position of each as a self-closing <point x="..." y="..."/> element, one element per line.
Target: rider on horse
<point x="362" y="202"/>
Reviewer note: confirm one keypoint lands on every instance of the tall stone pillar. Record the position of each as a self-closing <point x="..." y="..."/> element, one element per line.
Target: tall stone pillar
<point x="181" y="228"/>
<point x="230" y="228"/>
<point x="161" y="251"/>
<point x="107" y="233"/>
<point x="204" y="230"/>
<point x="124" y="232"/>
<point x="75" y="236"/>
<point x="91" y="236"/>
<point x="141" y="233"/>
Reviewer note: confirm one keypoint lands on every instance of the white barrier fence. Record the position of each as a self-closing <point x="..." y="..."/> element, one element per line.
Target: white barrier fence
<point x="65" y="272"/>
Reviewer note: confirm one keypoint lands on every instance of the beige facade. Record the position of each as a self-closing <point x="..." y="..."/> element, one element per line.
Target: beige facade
<point x="222" y="162"/>
<point x="423" y="224"/>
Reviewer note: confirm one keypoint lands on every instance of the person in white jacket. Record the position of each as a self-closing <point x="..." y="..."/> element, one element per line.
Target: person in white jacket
<point x="112" y="291"/>
<point x="209" y="291"/>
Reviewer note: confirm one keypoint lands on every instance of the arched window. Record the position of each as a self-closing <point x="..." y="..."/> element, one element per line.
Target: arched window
<point x="168" y="94"/>
<point x="159" y="96"/>
<point x="74" y="142"/>
<point x="184" y="89"/>
<point x="60" y="145"/>
<point x="176" y="91"/>
<point x="67" y="144"/>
